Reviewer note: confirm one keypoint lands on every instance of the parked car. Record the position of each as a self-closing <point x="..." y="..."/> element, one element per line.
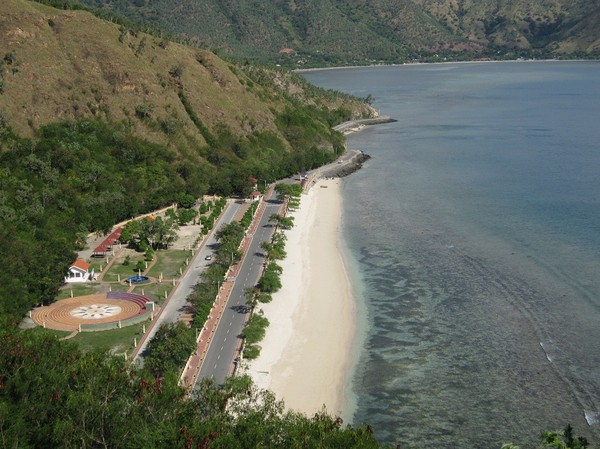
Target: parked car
<point x="209" y="257"/>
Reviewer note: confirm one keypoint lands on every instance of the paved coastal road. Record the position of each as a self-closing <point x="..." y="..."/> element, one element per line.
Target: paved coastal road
<point x="222" y="350"/>
<point x="172" y="310"/>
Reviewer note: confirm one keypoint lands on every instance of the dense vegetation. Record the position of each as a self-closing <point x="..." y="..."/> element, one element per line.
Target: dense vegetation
<point x="341" y="32"/>
<point x="205" y="291"/>
<point x="94" y="400"/>
<point x="84" y="176"/>
<point x="76" y="178"/>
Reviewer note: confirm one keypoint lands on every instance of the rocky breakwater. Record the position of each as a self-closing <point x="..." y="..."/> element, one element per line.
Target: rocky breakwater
<point x="346" y="167"/>
<point x="356" y="125"/>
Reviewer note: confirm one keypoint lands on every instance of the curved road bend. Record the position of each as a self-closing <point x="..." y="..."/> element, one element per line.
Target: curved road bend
<point x="172" y="310"/>
<point x="222" y="349"/>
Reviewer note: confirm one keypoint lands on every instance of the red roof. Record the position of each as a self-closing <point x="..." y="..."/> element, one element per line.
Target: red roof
<point x="101" y="249"/>
<point x="115" y="234"/>
<point x="108" y="241"/>
<point x="81" y="264"/>
<point x="256" y="193"/>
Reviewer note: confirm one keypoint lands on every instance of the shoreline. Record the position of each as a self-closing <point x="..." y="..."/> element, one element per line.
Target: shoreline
<point x="306" y="353"/>
<point x="409" y="64"/>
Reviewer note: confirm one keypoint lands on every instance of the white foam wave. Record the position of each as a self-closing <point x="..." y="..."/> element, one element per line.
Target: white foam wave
<point x="549" y="350"/>
<point x="592" y="418"/>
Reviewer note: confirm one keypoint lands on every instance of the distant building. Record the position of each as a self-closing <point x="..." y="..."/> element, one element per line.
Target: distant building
<point x="79" y="272"/>
<point x="287" y="51"/>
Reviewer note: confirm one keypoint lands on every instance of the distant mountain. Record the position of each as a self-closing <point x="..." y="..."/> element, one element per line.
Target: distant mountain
<point x="322" y="32"/>
<point x="560" y="26"/>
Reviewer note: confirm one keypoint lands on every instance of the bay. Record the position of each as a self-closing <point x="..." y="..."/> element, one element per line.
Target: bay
<point x="474" y="237"/>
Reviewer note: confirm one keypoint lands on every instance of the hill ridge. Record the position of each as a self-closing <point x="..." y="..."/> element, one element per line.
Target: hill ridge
<point x="346" y="32"/>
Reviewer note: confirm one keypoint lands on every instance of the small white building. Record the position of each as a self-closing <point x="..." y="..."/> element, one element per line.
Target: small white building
<point x="79" y="272"/>
<point x="255" y="196"/>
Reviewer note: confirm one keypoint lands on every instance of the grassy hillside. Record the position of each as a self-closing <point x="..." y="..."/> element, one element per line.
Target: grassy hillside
<point x="552" y="25"/>
<point x="358" y="32"/>
<point x="61" y="65"/>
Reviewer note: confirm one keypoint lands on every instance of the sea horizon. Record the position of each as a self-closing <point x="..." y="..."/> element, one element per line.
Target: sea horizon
<point x="471" y="236"/>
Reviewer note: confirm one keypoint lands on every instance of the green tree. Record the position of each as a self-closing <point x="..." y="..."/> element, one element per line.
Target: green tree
<point x="281" y="221"/>
<point x="274" y="250"/>
<point x="270" y="281"/>
<point x="230" y="236"/>
<point x="255" y="329"/>
<point x="170" y="347"/>
<point x="563" y="439"/>
<point x="162" y="232"/>
<point x="287" y="190"/>
<point x="184" y="216"/>
<point x="186" y="201"/>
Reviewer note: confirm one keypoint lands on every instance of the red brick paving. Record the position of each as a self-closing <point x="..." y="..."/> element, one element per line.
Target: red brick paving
<point x="57" y="315"/>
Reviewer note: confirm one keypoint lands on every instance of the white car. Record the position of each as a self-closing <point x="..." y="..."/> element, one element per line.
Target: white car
<point x="209" y="257"/>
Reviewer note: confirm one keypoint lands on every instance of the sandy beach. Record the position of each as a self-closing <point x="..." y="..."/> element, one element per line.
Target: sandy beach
<point x="306" y="353"/>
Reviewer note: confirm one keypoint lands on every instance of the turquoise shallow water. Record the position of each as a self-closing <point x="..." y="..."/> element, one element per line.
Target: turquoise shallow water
<point x="475" y="232"/>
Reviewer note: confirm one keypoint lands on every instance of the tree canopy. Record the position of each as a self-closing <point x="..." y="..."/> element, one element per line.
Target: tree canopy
<point x="52" y="395"/>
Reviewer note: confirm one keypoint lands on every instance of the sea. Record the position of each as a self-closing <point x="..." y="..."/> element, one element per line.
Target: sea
<point x="473" y="240"/>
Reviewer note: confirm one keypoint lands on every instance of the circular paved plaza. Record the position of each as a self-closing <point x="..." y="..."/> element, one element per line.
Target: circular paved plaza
<point x="68" y="314"/>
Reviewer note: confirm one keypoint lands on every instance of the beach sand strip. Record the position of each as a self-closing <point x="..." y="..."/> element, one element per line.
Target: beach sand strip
<point x="306" y="353"/>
